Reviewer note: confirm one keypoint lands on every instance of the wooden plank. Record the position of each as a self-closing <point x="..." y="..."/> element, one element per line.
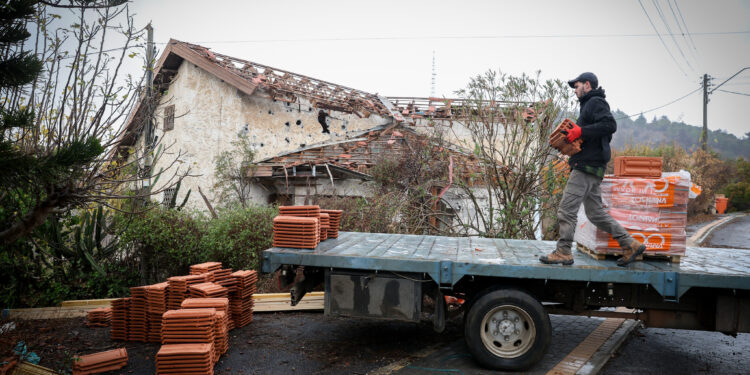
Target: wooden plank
<point x="88" y="302"/>
<point x="26" y="368"/>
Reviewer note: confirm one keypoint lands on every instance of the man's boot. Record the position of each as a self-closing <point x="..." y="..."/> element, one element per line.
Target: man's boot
<point x="557" y="257"/>
<point x="630" y="252"/>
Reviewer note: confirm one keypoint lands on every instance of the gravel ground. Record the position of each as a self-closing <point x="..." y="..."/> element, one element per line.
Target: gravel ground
<point x="274" y="343"/>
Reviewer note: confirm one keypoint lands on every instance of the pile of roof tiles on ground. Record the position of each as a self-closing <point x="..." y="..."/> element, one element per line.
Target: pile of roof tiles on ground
<point x="99" y="317"/>
<point x="189" y="315"/>
<point x="100" y="362"/>
<point x="304" y="227"/>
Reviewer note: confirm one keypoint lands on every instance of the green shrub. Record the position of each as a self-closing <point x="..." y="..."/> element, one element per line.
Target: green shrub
<point x="739" y="196"/>
<point x="166" y="242"/>
<point x="238" y="236"/>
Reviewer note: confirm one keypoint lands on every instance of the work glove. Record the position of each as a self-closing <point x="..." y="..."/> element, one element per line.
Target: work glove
<point x="573" y="133"/>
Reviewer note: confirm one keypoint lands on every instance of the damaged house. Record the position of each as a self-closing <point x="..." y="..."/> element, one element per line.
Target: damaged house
<point x="308" y="136"/>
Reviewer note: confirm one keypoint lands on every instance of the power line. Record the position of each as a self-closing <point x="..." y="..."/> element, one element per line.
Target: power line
<point x="677" y="21"/>
<point x="660" y="38"/>
<point x="669" y="30"/>
<point x="685" y="24"/>
<point x="463" y="37"/>
<point x="738" y="93"/>
<point x="662" y="106"/>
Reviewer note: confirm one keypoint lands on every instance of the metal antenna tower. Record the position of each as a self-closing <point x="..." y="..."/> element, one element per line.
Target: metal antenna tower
<point x="434" y="75"/>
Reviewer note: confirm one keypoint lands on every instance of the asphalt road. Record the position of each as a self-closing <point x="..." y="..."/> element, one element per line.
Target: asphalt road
<point x="735" y="234"/>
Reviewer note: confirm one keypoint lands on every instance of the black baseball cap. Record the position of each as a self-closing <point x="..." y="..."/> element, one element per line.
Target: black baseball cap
<point x="583" y="77"/>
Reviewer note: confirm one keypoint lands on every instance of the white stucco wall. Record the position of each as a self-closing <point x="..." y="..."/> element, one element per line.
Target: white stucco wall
<point x="211" y="114"/>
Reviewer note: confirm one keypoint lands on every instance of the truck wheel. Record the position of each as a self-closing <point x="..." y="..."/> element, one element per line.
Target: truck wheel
<point x="507" y="329"/>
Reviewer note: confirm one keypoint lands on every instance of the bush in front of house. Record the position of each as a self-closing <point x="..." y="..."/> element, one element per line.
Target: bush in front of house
<point x="238" y="236"/>
<point x="165" y="242"/>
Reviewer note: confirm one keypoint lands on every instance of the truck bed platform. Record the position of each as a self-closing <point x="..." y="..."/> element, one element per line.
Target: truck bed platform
<point x="448" y="259"/>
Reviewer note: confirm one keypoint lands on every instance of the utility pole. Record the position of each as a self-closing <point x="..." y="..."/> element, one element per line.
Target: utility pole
<point x="705" y="102"/>
<point x="705" y="113"/>
<point x="149" y="133"/>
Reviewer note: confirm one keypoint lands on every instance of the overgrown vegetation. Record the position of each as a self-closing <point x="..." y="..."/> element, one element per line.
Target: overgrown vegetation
<point x="101" y="253"/>
<point x="232" y="168"/>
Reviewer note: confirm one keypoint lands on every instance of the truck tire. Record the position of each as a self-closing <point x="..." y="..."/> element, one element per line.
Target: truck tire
<point x="507" y="329"/>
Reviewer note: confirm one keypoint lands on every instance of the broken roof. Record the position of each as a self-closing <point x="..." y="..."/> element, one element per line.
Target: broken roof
<point x="280" y="84"/>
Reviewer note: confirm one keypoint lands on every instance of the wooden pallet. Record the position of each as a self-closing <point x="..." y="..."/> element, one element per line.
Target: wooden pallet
<point x="603" y="256"/>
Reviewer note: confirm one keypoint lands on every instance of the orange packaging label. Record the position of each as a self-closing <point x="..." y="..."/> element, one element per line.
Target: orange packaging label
<point x="652" y="240"/>
<point x="644" y="192"/>
<point x="637" y="219"/>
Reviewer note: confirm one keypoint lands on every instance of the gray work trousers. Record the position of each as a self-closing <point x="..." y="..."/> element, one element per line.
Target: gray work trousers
<point x="584" y="187"/>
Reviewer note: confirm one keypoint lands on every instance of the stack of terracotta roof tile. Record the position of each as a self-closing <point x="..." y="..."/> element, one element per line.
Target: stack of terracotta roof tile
<point x="220" y="304"/>
<point x="241" y="302"/>
<point x="224" y="278"/>
<point x="100" y="362"/>
<point x="324" y="226"/>
<point x="208" y="290"/>
<point x="137" y="315"/>
<point x="652" y="210"/>
<point x="334" y="222"/>
<point x="191" y="359"/>
<point x="208" y="267"/>
<point x="99" y="317"/>
<point x="558" y="139"/>
<point x="119" y="323"/>
<point x="296" y="232"/>
<point x="156" y="297"/>
<point x="300" y="211"/>
<point x="221" y="332"/>
<point x="189" y="326"/>
<point x="178" y="288"/>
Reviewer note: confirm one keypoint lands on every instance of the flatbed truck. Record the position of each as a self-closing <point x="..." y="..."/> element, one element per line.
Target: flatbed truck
<point x="509" y="294"/>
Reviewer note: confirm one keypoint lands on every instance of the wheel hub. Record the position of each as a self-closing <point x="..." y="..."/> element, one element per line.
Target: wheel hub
<point x="508" y="331"/>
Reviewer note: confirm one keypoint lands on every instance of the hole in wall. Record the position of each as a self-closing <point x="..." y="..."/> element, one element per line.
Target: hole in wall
<point x="323" y="121"/>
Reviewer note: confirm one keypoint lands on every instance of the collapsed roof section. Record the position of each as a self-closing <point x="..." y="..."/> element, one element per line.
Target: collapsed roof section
<point x="286" y="86"/>
<point x="351" y="158"/>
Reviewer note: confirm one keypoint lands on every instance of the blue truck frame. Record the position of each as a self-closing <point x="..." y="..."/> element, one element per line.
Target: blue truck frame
<point x="708" y="289"/>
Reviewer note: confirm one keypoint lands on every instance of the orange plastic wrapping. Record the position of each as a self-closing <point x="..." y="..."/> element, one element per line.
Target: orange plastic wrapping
<point x="652" y="210"/>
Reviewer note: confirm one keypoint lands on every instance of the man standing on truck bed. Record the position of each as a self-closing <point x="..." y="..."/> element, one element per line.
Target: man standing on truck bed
<point x="587" y="170"/>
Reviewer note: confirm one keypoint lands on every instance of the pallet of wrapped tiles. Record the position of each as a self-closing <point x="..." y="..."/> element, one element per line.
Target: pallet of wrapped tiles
<point x="138" y="315"/>
<point x="208" y="290"/>
<point x="653" y="211"/>
<point x="241" y="301"/>
<point x="187" y="359"/>
<point x="97" y="363"/>
<point x="208" y="267"/>
<point x="334" y="221"/>
<point x="296" y="232"/>
<point x="220" y="304"/>
<point x="177" y="290"/>
<point x="119" y="323"/>
<point x="190" y="326"/>
<point x="324" y="225"/>
<point x="156" y="297"/>
<point x="99" y="317"/>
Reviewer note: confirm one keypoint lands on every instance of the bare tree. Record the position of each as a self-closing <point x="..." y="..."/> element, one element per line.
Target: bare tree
<point x="79" y="105"/>
<point x="517" y="180"/>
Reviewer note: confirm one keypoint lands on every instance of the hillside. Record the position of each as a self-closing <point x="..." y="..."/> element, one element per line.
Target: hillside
<point x="663" y="131"/>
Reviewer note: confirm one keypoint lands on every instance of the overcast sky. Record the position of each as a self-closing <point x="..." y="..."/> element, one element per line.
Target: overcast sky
<point x="386" y="47"/>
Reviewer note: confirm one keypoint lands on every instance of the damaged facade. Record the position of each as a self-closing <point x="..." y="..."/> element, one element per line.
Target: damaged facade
<point x="309" y="136"/>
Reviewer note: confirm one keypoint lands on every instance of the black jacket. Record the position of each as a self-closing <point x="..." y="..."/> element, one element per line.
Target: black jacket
<point x="597" y="126"/>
